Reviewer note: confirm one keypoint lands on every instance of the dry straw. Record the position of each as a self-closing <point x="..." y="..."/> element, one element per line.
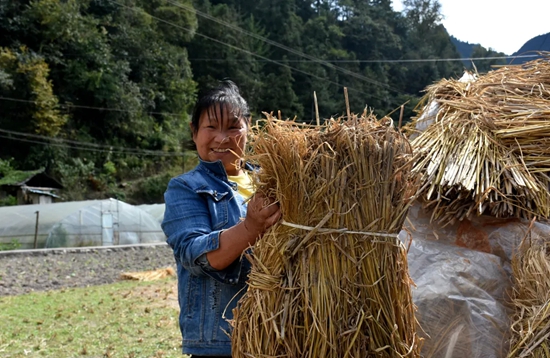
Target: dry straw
<point x="488" y="148"/>
<point x="331" y="280"/>
<point x="531" y="299"/>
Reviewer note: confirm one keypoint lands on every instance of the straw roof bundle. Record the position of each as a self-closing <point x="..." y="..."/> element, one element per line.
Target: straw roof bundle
<point x="331" y="279"/>
<point x="531" y="299"/>
<point x="488" y="148"/>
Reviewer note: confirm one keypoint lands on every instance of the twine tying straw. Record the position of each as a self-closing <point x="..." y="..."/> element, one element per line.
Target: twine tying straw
<point x="342" y="230"/>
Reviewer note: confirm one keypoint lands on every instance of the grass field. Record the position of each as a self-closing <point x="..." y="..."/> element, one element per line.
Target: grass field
<point x="128" y="319"/>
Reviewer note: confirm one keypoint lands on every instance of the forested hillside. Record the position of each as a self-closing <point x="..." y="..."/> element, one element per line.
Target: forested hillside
<point x="99" y="91"/>
<point x="469" y="52"/>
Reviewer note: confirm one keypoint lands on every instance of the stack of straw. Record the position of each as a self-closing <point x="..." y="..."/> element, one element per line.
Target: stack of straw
<point x="531" y="299"/>
<point x="151" y="275"/>
<point x="331" y="279"/>
<point x="488" y="148"/>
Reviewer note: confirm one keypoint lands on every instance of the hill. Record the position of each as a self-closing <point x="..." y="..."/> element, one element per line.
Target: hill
<point x="537" y="43"/>
<point x="465" y="49"/>
<point x="468" y="51"/>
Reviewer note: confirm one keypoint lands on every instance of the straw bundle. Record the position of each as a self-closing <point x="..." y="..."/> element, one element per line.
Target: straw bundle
<point x="488" y="148"/>
<point x="531" y="298"/>
<point x="151" y="275"/>
<point x="331" y="279"/>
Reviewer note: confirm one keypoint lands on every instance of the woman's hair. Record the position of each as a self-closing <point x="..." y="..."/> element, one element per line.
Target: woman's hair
<point x="218" y="100"/>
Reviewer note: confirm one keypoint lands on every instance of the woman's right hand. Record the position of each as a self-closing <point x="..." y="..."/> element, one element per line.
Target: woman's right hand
<point x="261" y="214"/>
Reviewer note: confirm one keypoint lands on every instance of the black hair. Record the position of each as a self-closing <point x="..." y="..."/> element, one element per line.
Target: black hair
<point x="225" y="96"/>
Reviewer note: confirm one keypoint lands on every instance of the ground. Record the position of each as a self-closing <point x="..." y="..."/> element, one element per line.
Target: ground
<point x="42" y="270"/>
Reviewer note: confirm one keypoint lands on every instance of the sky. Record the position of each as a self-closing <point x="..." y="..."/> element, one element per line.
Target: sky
<point x="502" y="25"/>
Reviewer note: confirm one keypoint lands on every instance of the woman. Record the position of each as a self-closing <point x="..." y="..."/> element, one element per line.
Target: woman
<point x="204" y="222"/>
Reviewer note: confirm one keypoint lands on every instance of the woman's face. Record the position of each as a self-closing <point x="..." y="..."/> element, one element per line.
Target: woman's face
<point x="221" y="136"/>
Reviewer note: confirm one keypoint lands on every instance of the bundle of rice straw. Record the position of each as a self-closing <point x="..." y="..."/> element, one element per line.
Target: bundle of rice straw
<point x="331" y="279"/>
<point x="151" y="275"/>
<point x="488" y="148"/>
<point x="531" y="299"/>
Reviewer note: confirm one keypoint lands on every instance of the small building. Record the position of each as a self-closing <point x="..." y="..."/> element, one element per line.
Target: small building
<point x="30" y="187"/>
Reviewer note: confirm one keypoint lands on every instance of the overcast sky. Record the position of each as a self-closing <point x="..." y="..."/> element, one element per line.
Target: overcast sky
<point x="502" y="25"/>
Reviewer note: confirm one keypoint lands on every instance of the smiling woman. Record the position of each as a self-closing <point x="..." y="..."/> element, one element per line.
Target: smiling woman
<point x="204" y="225"/>
<point x="221" y="135"/>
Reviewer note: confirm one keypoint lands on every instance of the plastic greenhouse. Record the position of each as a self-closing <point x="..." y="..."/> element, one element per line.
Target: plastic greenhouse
<point x="157" y="210"/>
<point x="78" y="223"/>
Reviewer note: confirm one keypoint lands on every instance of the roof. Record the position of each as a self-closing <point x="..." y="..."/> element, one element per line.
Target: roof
<point x="36" y="178"/>
<point x="41" y="192"/>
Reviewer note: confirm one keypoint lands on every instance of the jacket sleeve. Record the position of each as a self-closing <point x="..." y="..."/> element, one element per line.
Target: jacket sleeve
<point x="188" y="226"/>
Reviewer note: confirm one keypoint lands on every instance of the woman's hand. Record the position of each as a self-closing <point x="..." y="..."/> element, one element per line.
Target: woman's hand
<point x="261" y="214"/>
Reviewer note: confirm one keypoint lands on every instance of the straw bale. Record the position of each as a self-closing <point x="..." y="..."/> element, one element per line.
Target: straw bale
<point x="488" y="148"/>
<point x="151" y="275"/>
<point x="331" y="279"/>
<point x="531" y="299"/>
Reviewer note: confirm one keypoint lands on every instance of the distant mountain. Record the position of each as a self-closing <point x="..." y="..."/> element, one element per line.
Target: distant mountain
<point x="538" y="43"/>
<point x="468" y="50"/>
<point x="465" y="49"/>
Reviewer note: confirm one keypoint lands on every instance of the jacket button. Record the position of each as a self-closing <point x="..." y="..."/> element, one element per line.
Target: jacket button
<point x="215" y="193"/>
<point x="231" y="280"/>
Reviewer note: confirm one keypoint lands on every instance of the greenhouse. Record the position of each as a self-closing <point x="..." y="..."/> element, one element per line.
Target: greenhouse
<point x="78" y="223"/>
<point x="156" y="210"/>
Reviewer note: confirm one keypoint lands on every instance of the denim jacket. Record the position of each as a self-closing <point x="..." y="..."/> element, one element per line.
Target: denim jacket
<point x="199" y="205"/>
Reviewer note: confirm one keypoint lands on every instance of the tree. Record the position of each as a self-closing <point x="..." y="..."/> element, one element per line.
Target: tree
<point x="98" y="72"/>
<point x="427" y="39"/>
<point x="25" y="77"/>
<point x="486" y="65"/>
<point x="224" y="51"/>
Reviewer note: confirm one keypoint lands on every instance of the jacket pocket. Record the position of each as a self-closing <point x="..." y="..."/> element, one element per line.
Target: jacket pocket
<point x="217" y="205"/>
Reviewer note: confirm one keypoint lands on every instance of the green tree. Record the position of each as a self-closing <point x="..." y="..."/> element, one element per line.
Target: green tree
<point x="117" y="74"/>
<point x="486" y="65"/>
<point x="427" y="39"/>
<point x="26" y="76"/>
<point x="224" y="51"/>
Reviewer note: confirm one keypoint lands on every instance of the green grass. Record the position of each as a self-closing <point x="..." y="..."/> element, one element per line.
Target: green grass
<point x="128" y="319"/>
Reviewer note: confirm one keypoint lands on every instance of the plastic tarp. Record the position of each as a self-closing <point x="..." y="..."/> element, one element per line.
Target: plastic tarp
<point x="463" y="280"/>
<point x="78" y="223"/>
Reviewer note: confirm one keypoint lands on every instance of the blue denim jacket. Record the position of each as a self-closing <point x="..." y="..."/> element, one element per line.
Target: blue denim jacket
<point x="199" y="205"/>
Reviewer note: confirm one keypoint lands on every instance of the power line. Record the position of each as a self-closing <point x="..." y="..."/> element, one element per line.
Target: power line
<point x="72" y="144"/>
<point x="246" y="51"/>
<point x="279" y="45"/>
<point x="420" y="60"/>
<point x="65" y="105"/>
<point x="384" y="60"/>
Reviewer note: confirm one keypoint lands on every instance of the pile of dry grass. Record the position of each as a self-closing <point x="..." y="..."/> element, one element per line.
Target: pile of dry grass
<point x="488" y="148"/>
<point x="151" y="275"/>
<point x="531" y="299"/>
<point x="331" y="280"/>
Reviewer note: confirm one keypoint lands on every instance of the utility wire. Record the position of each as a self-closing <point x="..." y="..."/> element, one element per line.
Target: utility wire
<point x="64" y="105"/>
<point x="246" y="51"/>
<point x="281" y="46"/>
<point x="384" y="60"/>
<point x="67" y="143"/>
<point x="420" y="60"/>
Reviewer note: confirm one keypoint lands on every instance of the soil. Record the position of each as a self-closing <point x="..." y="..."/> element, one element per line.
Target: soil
<point x="25" y="271"/>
